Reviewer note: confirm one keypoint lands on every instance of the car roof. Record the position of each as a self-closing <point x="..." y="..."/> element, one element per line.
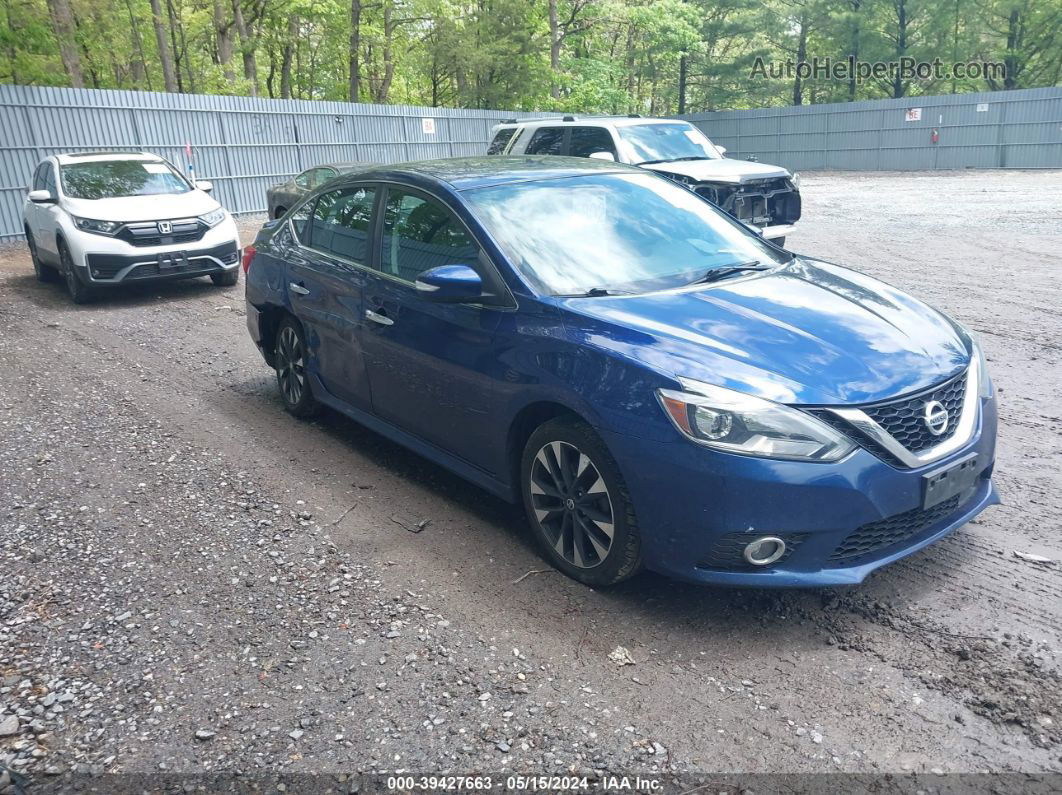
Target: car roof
<point x="341" y="166"/>
<point x="588" y="121"/>
<point x="90" y="157"/>
<point x="464" y="173"/>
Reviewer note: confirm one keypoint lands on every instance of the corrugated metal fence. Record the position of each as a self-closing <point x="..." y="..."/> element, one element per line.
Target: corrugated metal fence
<point x="1006" y="129"/>
<point x="242" y="144"/>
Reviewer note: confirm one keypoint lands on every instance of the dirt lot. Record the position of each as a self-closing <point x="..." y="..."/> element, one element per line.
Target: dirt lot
<point x="191" y="580"/>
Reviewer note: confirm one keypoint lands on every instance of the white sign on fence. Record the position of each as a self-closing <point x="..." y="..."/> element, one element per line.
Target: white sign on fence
<point x="913" y="114"/>
<point x="982" y="107"/>
<point x="427" y="126"/>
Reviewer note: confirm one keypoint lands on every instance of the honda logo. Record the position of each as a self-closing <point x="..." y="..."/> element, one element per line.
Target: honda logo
<point x="165" y="227"/>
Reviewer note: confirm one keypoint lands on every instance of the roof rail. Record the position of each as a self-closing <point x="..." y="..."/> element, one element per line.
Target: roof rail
<point x="510" y="121"/>
<point x="568" y="118"/>
<point x="634" y="115"/>
<point x="108" y="152"/>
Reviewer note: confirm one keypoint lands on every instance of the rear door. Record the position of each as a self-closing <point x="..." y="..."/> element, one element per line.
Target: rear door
<point x="585" y="141"/>
<point x="327" y="276"/>
<point x="548" y="141"/>
<point x="429" y="364"/>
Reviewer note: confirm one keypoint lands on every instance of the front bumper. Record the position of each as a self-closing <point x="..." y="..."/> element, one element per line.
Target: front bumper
<point x="110" y="261"/>
<point x="689" y="500"/>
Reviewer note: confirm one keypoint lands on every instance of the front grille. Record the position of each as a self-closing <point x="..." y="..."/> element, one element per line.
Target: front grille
<point x="884" y="533"/>
<point x="727" y="552"/>
<point x="904" y="419"/>
<point x="857" y="436"/>
<point x="147" y="234"/>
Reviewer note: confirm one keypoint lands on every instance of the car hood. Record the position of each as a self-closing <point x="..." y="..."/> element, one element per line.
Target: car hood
<point x="143" y="208"/>
<point x="722" y="170"/>
<point x="807" y="333"/>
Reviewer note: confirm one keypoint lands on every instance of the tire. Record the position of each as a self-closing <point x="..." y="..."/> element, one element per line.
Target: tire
<point x="44" y="273"/>
<point x="571" y="487"/>
<point x="290" y="365"/>
<point x="80" y="293"/>
<point x="226" y="279"/>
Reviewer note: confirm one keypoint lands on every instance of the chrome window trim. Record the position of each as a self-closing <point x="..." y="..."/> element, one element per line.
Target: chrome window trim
<point x="963" y="432"/>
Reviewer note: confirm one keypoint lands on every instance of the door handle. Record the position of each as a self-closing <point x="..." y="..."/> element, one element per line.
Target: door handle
<point x="376" y="317"/>
<point x="298" y="289"/>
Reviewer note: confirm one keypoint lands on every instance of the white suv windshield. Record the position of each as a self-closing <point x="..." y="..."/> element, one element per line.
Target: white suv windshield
<point x="614" y="232"/>
<point x="658" y="143"/>
<point x="109" y="179"/>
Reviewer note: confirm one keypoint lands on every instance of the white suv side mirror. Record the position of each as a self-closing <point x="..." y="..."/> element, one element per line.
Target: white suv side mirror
<point x="41" y="197"/>
<point x="204" y="185"/>
<point x="603" y="156"/>
<point x="722" y="150"/>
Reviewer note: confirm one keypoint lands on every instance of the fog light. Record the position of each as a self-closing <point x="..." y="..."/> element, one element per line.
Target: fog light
<point x="96" y="273"/>
<point x="764" y="550"/>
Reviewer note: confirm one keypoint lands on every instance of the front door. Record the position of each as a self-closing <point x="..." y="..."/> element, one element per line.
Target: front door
<point x="429" y="364"/>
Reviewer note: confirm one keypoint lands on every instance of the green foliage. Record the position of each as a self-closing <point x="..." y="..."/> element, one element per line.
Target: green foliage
<point x="611" y="56"/>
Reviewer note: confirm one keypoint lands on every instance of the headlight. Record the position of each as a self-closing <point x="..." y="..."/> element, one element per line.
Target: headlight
<point x="97" y="227"/>
<point x="984" y="381"/>
<point x="738" y="423"/>
<point x="214" y="217"/>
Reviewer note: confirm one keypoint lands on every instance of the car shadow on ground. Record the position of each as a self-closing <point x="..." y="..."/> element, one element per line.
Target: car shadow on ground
<point x="53" y="295"/>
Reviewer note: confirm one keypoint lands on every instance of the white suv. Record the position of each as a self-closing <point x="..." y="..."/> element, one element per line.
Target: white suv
<point x="766" y="198"/>
<point x="105" y="218"/>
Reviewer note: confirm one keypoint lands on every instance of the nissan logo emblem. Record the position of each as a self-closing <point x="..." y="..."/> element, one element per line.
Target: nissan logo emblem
<point x="936" y="417"/>
<point x="165" y="227"/>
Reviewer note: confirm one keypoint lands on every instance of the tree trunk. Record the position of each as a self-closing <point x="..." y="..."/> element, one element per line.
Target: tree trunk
<point x="355" y="49"/>
<point x="1014" y="37"/>
<point x="247" y="44"/>
<point x="854" y="52"/>
<point x="169" y="79"/>
<point x="555" y="40"/>
<point x="63" y="25"/>
<point x="225" y="44"/>
<point x="802" y="55"/>
<point x="388" y="57"/>
<point x="138" y="66"/>
<point x="285" y="63"/>
<point x="684" y="63"/>
<point x="899" y="88"/>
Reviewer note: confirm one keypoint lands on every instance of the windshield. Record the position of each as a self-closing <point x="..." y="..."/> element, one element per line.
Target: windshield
<point x="615" y="232"/>
<point x="660" y="142"/>
<point x="109" y="179"/>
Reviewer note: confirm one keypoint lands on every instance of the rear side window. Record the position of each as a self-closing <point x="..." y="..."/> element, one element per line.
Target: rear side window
<point x="300" y="222"/>
<point x="588" y="140"/>
<point x="497" y="146"/>
<point x="547" y="141"/>
<point x="341" y="223"/>
<point x="419" y="234"/>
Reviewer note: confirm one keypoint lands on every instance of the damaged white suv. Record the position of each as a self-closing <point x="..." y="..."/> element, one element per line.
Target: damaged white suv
<point x="766" y="198"/>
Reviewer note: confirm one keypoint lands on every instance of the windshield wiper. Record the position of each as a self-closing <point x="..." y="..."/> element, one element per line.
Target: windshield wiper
<point x="715" y="274"/>
<point x="673" y="160"/>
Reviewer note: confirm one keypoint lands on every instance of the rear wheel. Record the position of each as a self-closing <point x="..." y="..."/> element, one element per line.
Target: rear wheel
<point x="578" y="504"/>
<point x="44" y="273"/>
<point x="290" y="362"/>
<point x="226" y="279"/>
<point x="80" y="292"/>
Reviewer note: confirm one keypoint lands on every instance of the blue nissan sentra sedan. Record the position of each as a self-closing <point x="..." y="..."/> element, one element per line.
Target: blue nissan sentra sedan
<point x="659" y="387"/>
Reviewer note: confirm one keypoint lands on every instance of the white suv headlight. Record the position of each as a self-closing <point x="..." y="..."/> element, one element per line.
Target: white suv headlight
<point x="96" y="227"/>
<point x="214" y="217"/>
<point x="734" y="422"/>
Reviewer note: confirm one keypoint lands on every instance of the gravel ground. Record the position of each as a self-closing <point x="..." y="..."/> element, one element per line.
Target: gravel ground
<point x="191" y="581"/>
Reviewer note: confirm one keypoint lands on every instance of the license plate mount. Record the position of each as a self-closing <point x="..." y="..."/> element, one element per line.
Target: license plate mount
<point x="944" y="483"/>
<point x="173" y="260"/>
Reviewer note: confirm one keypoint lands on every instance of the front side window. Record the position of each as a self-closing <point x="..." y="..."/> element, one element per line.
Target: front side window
<point x="497" y="146"/>
<point x="300" y="222"/>
<point x="419" y="233"/>
<point x="617" y="232"/>
<point x="547" y="141"/>
<point x="305" y="179"/>
<point x="342" y="223"/>
<point x="589" y="140"/>
<point x="658" y="143"/>
<point x="38" y="176"/>
<point x="110" y="179"/>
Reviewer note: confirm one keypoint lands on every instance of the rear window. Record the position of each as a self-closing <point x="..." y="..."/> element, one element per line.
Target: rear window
<point x="547" y="141"/>
<point x="497" y="146"/>
<point x="109" y="179"/>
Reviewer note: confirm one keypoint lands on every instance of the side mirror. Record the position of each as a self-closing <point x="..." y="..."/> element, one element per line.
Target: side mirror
<point x="41" y="197"/>
<point x="204" y="185"/>
<point x="603" y="156"/>
<point x="450" y="284"/>
<point x="272" y="222"/>
<point x="722" y="150"/>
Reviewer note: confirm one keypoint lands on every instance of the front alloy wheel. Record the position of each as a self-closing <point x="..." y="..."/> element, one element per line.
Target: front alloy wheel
<point x="577" y="503"/>
<point x="290" y="363"/>
<point x="572" y="504"/>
